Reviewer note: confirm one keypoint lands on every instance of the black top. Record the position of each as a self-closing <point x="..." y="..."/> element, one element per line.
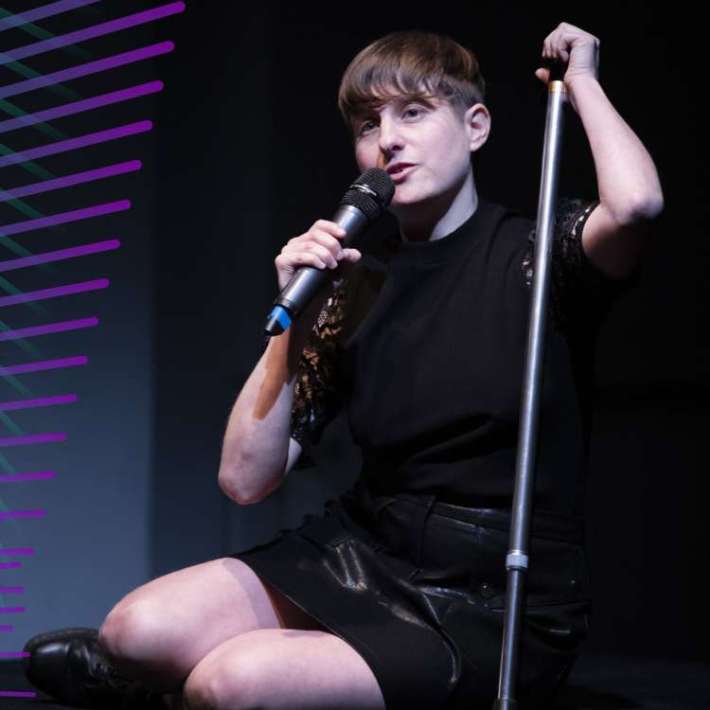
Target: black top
<point x="424" y="344"/>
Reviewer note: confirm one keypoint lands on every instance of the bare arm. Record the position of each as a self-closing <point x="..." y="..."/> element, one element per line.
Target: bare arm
<point x="257" y="450"/>
<point x="630" y="194"/>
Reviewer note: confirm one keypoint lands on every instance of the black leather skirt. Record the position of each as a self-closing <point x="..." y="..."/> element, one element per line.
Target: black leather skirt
<point x="417" y="587"/>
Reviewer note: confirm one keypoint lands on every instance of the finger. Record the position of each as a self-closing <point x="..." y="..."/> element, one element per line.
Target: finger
<point x="314" y="236"/>
<point x="558" y="46"/>
<point x="328" y="241"/>
<point x="329" y="227"/>
<point x="292" y="251"/>
<point x="543" y="75"/>
<point x="291" y="262"/>
<point x="351" y="255"/>
<point x="323" y="253"/>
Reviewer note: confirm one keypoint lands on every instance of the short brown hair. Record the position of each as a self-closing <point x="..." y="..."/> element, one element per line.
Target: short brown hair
<point x="410" y="63"/>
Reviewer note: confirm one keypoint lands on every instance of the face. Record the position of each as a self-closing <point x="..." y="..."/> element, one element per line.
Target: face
<point x="424" y="144"/>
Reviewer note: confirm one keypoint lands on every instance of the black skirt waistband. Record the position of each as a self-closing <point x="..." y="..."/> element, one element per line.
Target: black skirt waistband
<point x="545" y="524"/>
<point x="454" y="543"/>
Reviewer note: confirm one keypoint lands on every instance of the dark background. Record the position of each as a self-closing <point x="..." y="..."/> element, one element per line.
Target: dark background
<point x="248" y="149"/>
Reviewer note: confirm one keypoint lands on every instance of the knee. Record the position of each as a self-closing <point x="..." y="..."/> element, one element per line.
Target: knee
<point x="211" y="686"/>
<point x="131" y="633"/>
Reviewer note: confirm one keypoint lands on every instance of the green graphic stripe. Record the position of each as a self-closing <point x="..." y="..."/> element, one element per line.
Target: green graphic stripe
<point x="18" y="386"/>
<point x="22" y="343"/>
<point x="10" y="425"/>
<point x="15" y="247"/>
<point x="8" y="287"/>
<point x="16" y="112"/>
<point x="39" y="33"/>
<point x="29" y="73"/>
<point x="7" y="467"/>
<point x="32" y="168"/>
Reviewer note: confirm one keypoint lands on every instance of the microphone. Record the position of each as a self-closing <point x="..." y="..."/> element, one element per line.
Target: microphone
<point x="363" y="203"/>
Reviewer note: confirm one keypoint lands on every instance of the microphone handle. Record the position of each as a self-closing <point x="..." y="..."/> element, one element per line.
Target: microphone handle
<point x="308" y="280"/>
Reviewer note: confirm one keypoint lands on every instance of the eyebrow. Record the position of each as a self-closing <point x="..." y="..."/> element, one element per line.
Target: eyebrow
<point x="371" y="108"/>
<point x="399" y="99"/>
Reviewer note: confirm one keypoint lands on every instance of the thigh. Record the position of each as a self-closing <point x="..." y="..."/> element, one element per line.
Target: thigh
<point x="283" y="668"/>
<point x="173" y="621"/>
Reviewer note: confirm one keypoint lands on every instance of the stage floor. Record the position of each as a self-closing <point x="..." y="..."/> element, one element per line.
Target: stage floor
<point x="597" y="683"/>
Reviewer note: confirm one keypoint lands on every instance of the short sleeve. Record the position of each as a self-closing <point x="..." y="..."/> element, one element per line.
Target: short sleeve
<point x="317" y="395"/>
<point x="578" y="289"/>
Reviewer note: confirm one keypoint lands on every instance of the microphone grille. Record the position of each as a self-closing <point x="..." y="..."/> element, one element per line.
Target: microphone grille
<point x="370" y="193"/>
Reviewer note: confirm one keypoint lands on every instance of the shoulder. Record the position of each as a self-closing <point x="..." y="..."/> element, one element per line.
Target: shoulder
<point x="580" y="289"/>
<point x="575" y="218"/>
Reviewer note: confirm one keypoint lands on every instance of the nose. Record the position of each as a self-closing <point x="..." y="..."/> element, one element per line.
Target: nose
<point x="390" y="137"/>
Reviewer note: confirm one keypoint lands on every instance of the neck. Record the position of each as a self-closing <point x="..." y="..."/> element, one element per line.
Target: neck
<point x="440" y="216"/>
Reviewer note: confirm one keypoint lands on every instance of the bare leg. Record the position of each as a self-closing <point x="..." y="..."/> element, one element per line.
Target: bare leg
<point x="160" y="631"/>
<point x="283" y="669"/>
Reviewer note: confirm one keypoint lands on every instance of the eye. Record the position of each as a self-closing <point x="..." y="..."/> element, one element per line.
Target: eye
<point x="413" y="111"/>
<point x="366" y="127"/>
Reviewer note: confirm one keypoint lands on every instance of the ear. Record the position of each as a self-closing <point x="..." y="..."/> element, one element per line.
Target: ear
<point x="477" y="121"/>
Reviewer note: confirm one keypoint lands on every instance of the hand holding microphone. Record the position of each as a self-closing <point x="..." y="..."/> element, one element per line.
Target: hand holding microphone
<point x="319" y="247"/>
<point x="318" y="251"/>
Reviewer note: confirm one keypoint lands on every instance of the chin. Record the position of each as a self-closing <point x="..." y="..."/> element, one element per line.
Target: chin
<point x="411" y="202"/>
<point x="406" y="198"/>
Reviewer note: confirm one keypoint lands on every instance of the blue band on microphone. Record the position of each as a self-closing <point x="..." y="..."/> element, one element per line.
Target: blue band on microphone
<point x="282" y="316"/>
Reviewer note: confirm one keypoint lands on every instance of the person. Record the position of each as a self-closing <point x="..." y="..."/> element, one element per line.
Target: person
<point x="393" y="597"/>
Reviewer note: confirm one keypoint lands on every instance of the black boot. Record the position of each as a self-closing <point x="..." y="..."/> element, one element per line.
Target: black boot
<point x="70" y="666"/>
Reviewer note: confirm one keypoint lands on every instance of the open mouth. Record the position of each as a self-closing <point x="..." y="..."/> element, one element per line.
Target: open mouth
<point x="400" y="171"/>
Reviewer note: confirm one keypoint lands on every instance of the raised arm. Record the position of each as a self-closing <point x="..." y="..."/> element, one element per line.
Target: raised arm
<point x="630" y="194"/>
<point x="258" y="451"/>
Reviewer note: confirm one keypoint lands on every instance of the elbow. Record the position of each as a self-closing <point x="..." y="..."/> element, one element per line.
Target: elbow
<point x="244" y="489"/>
<point x="650" y="210"/>
<point x="234" y="492"/>
<point x="645" y="209"/>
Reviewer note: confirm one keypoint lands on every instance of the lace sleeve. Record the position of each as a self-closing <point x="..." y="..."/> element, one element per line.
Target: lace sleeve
<point x="578" y="288"/>
<point x="317" y="396"/>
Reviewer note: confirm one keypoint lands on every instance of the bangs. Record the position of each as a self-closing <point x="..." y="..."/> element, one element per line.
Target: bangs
<point x="410" y="65"/>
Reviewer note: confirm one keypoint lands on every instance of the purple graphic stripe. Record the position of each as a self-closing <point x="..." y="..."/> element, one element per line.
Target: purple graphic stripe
<point x="12" y="551"/>
<point x="12" y="477"/>
<point x="58" y="255"/>
<point x="6" y="627"/>
<point x="12" y="590"/>
<point x="56" y="292"/>
<point x="39" y="13"/>
<point x="96" y="67"/>
<point x="113" y="97"/>
<point x="59" y="327"/>
<point x="42" y="365"/>
<point x="104" y="28"/>
<point x="12" y="609"/>
<point x="17" y="694"/>
<point x="39" y="402"/>
<point x="30" y="225"/>
<point x="9" y="565"/>
<point x="85" y="176"/>
<point x="8" y="514"/>
<point x="88" y="139"/>
<point x="50" y="438"/>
